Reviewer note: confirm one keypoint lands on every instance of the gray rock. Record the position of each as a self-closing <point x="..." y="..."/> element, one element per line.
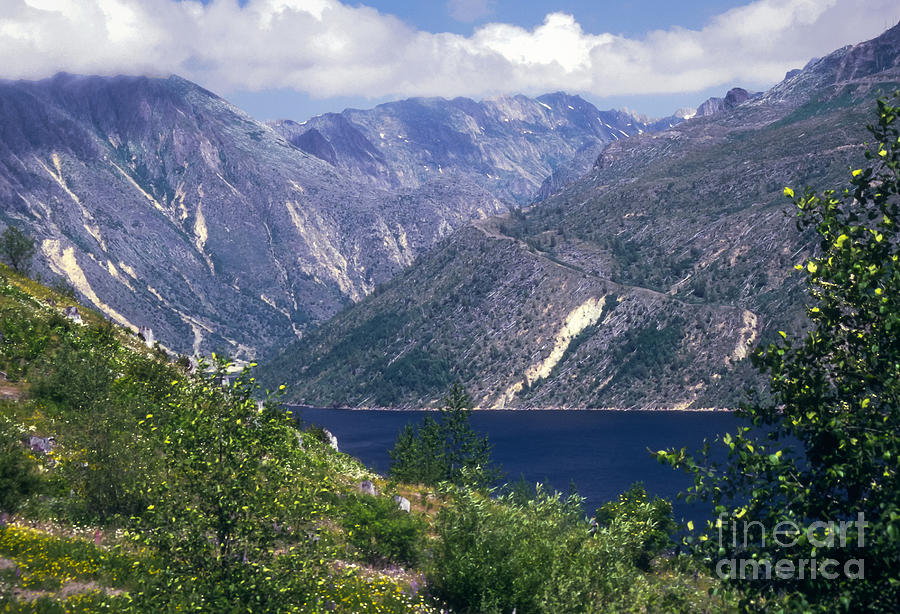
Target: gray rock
<point x="72" y="314"/>
<point x="146" y="333"/>
<point x="42" y="445"/>
<point x="402" y="503"/>
<point x="366" y="487"/>
<point x="332" y="440"/>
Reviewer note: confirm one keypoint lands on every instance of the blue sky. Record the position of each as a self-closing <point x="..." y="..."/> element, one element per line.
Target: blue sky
<point x="628" y="17"/>
<point x="296" y="58"/>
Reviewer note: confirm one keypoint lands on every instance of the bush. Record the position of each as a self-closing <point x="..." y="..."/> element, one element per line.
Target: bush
<point x="97" y="390"/>
<point x="225" y="498"/>
<point x="649" y="522"/>
<point x="382" y="532"/>
<point x="19" y="478"/>
<point x="540" y="554"/>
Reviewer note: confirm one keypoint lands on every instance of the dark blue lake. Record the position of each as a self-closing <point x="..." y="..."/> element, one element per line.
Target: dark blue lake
<point x="602" y="452"/>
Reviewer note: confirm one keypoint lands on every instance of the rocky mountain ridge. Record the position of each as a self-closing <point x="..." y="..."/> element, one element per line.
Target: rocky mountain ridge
<point x="166" y="207"/>
<point x="507" y="146"/>
<point x="644" y="284"/>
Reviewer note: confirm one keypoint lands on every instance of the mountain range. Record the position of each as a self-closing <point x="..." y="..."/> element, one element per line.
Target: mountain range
<point x="539" y="251"/>
<point x="643" y="284"/>
<point x="164" y="206"/>
<point x="508" y="146"/>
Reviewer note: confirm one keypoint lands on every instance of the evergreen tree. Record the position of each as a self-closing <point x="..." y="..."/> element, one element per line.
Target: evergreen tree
<point x="445" y="448"/>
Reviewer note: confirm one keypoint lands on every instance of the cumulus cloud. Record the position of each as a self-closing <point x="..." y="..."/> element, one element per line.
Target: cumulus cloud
<point x="326" y="48"/>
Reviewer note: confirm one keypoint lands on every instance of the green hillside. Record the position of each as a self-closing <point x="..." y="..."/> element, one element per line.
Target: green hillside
<point x="129" y="484"/>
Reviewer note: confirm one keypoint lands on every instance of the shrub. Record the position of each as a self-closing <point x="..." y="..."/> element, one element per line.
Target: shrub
<point x="16" y="248"/>
<point x="494" y="555"/>
<point x="649" y="522"/>
<point x="540" y="554"/>
<point x="382" y="532"/>
<point x="19" y="477"/>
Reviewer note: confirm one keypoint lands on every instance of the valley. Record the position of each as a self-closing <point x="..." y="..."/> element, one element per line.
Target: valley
<point x="691" y="261"/>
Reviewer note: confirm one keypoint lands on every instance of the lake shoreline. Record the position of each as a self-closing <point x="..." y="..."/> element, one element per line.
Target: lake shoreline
<point x="710" y="410"/>
<point x="602" y="452"/>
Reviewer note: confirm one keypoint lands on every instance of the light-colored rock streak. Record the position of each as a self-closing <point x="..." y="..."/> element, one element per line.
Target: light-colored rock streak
<point x="196" y="325"/>
<point x="295" y="217"/>
<point x="311" y="229"/>
<point x="114" y="272"/>
<point x="748" y="336"/>
<point x="201" y="232"/>
<point x="94" y="231"/>
<point x="225" y="181"/>
<point x="130" y="271"/>
<point x="57" y="175"/>
<point x="134" y="183"/>
<point x="586" y="314"/>
<point x="178" y="200"/>
<point x="58" y="178"/>
<point x="63" y="263"/>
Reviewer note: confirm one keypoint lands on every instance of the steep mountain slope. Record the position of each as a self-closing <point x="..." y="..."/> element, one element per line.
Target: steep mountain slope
<point x="507" y="145"/>
<point x="642" y="285"/>
<point x="165" y="206"/>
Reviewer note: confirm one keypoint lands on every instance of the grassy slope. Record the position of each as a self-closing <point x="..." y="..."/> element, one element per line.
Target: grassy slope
<point x="52" y="558"/>
<point x="55" y="556"/>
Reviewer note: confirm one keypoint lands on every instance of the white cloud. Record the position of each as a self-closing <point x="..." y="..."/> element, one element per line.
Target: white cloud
<point x="326" y="48"/>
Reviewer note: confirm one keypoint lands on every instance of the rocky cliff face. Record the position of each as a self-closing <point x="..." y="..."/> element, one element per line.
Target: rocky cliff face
<point x="507" y="146"/>
<point x="166" y="207"/>
<point x="734" y="97"/>
<point x="644" y="284"/>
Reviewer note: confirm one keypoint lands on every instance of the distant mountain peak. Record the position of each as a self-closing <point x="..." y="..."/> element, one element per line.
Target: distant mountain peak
<point x="507" y="145"/>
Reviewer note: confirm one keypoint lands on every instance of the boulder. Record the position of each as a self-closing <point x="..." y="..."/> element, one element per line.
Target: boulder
<point x="332" y="440"/>
<point x="367" y="487"/>
<point x="402" y="503"/>
<point x="146" y="333"/>
<point x="42" y="445"/>
<point x="72" y="314"/>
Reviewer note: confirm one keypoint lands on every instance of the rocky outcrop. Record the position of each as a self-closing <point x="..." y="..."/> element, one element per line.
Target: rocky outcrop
<point x="332" y="440"/>
<point x="734" y="97"/>
<point x="402" y="503"/>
